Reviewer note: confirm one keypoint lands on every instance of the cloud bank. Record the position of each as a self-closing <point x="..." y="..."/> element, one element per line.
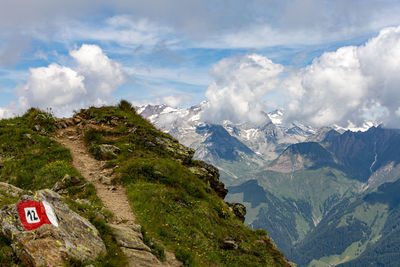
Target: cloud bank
<point x="64" y="89"/>
<point x="196" y="23"/>
<point x="239" y="85"/>
<point x="345" y="87"/>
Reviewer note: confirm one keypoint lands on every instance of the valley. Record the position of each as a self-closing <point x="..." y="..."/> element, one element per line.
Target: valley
<point x="323" y="195"/>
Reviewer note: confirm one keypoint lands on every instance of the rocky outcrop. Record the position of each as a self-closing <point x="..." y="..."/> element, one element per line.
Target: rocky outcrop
<point x="238" y="209"/>
<point x="9" y="190"/>
<point x="178" y="150"/>
<point x="109" y="149"/>
<point x="50" y="244"/>
<point x="66" y="181"/>
<point x="229" y="244"/>
<point x="210" y="175"/>
<point x="130" y="240"/>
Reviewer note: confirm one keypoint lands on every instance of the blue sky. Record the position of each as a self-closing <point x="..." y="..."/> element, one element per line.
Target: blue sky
<point x="167" y="49"/>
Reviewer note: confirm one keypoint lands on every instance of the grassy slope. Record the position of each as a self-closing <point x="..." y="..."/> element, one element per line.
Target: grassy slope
<point x="177" y="209"/>
<point x="31" y="160"/>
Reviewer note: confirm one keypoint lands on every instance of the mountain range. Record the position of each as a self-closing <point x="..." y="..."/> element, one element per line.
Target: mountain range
<point x="326" y="196"/>
<point x="222" y="144"/>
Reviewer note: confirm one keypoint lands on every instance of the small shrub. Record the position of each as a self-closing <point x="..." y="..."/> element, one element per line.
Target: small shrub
<point x="93" y="136"/>
<point x="125" y="106"/>
<point x="186" y="257"/>
<point x="155" y="247"/>
<point x="115" y="256"/>
<point x="53" y="172"/>
<point x="72" y="262"/>
<point x="45" y="120"/>
<point x="6" y="252"/>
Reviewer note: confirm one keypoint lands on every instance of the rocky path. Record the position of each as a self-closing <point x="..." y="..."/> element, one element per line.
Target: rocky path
<point x="113" y="196"/>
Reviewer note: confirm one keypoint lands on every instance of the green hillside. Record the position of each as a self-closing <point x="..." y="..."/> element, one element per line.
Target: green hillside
<point x="31" y="160"/>
<point x="328" y="204"/>
<point x="291" y="206"/>
<point x="177" y="200"/>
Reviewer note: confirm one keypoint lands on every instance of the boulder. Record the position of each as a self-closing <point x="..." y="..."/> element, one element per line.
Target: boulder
<point x="72" y="236"/>
<point x="66" y="181"/>
<point x="210" y="175"/>
<point x="238" y="209"/>
<point x="130" y="240"/>
<point x="229" y="244"/>
<point x="178" y="150"/>
<point x="129" y="237"/>
<point x="109" y="149"/>
<point x="10" y="190"/>
<point x="77" y="119"/>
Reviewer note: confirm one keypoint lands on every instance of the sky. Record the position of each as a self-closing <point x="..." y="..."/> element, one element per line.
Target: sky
<point x="323" y="62"/>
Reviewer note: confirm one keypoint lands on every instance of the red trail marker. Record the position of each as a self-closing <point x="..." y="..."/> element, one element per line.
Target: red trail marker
<point x="34" y="214"/>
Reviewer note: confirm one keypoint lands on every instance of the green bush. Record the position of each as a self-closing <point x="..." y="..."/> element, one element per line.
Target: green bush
<point x="35" y="117"/>
<point x="53" y="172"/>
<point x="125" y="106"/>
<point x="93" y="136"/>
<point x="184" y="256"/>
<point x="6" y="253"/>
<point x="155" y="247"/>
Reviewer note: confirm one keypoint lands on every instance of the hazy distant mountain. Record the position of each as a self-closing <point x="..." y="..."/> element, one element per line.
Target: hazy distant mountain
<point x="332" y="202"/>
<point x="266" y="140"/>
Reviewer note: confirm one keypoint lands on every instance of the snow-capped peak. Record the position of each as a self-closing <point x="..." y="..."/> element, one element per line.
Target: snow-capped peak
<point x="276" y="116"/>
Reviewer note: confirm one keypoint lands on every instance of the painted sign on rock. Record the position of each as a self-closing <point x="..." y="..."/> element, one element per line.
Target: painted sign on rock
<point x="34" y="214"/>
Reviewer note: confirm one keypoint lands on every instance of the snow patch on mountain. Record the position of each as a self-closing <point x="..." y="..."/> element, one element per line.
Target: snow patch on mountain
<point x="266" y="140"/>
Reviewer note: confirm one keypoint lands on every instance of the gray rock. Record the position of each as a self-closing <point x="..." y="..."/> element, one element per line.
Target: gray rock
<point x="75" y="237"/>
<point x="65" y="181"/>
<point x="238" y="209"/>
<point x="229" y="244"/>
<point x="130" y="240"/>
<point x="106" y="148"/>
<point x="10" y="190"/>
<point x="210" y="175"/>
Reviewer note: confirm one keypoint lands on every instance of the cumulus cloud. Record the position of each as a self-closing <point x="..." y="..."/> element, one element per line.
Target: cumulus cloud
<point x="90" y="82"/>
<point x="346" y="87"/>
<point x="52" y="86"/>
<point x="102" y="75"/>
<point x="174" y="100"/>
<point x="350" y="85"/>
<point x="239" y="85"/>
<point x="4" y="113"/>
<point x="329" y="90"/>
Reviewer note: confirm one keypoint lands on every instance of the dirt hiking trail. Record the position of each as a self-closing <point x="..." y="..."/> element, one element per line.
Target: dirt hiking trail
<point x="113" y="196"/>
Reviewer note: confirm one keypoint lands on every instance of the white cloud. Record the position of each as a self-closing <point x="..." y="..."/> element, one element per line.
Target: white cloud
<point x="345" y="87"/>
<point x="244" y="24"/>
<point x="64" y="89"/>
<point x="102" y="75"/>
<point x="120" y="30"/>
<point x="52" y="86"/>
<point x="351" y="84"/>
<point x="4" y="113"/>
<point x="239" y="86"/>
<point x="329" y="88"/>
<point x="174" y="100"/>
